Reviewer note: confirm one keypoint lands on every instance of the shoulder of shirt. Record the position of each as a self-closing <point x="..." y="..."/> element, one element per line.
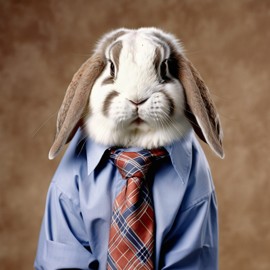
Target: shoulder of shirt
<point x="80" y="159"/>
<point x="72" y="165"/>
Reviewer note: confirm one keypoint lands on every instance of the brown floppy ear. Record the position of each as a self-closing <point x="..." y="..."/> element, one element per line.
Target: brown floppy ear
<point x="75" y="101"/>
<point x="200" y="110"/>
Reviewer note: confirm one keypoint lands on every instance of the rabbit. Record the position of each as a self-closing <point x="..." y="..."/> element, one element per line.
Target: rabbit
<point x="138" y="89"/>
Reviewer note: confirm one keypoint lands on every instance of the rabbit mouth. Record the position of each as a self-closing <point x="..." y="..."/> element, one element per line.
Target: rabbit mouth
<point x="138" y="121"/>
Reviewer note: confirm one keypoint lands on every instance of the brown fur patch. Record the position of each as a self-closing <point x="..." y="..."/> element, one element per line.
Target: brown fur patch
<point x="115" y="52"/>
<point x="110" y="40"/>
<point x="107" y="102"/>
<point x="109" y="80"/>
<point x="157" y="59"/>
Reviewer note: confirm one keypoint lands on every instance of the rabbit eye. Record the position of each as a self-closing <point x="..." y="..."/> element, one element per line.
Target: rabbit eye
<point x="163" y="71"/>
<point x="112" y="69"/>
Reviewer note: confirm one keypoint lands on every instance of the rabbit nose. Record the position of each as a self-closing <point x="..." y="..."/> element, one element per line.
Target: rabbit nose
<point x="138" y="102"/>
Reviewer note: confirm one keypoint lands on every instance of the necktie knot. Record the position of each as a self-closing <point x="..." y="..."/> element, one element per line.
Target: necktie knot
<point x="136" y="164"/>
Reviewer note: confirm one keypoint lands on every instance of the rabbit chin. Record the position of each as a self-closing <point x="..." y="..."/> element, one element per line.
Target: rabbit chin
<point x="136" y="135"/>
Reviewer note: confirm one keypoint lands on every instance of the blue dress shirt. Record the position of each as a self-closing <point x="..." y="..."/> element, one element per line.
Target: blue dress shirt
<point x="75" y="228"/>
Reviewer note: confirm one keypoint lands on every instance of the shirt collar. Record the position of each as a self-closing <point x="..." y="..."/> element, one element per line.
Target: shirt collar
<point x="94" y="152"/>
<point x="180" y="153"/>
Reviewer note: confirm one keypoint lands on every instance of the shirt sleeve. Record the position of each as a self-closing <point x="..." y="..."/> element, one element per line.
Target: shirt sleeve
<point x="63" y="240"/>
<point x="192" y="242"/>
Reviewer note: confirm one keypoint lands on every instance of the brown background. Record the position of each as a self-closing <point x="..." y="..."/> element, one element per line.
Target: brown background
<point x="44" y="42"/>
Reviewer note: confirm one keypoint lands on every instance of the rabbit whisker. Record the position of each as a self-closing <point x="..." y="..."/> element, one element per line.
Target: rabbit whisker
<point x="34" y="133"/>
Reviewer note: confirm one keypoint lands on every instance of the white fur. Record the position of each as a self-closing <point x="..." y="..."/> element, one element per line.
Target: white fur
<point x="137" y="80"/>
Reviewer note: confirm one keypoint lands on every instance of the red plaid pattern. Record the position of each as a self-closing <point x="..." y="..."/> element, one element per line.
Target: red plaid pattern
<point x="131" y="242"/>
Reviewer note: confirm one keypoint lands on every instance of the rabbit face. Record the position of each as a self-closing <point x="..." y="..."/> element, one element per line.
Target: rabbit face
<point x="136" y="101"/>
<point x="138" y="89"/>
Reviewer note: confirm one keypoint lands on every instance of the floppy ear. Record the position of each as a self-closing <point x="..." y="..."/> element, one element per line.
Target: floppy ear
<point x="74" y="106"/>
<point x="75" y="101"/>
<point x="200" y="110"/>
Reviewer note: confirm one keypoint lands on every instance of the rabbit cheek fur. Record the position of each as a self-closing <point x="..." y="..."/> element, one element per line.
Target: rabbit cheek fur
<point x="131" y="104"/>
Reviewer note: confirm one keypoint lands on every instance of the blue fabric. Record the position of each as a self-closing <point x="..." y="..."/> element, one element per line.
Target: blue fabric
<point x="76" y="223"/>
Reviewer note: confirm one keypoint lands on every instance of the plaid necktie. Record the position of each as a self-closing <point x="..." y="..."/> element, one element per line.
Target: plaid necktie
<point x="131" y="241"/>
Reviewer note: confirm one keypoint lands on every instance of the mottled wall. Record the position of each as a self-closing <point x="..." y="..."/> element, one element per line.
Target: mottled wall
<point x="44" y="42"/>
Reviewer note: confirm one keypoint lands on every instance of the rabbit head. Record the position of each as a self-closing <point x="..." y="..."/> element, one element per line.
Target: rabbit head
<point x="138" y="89"/>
